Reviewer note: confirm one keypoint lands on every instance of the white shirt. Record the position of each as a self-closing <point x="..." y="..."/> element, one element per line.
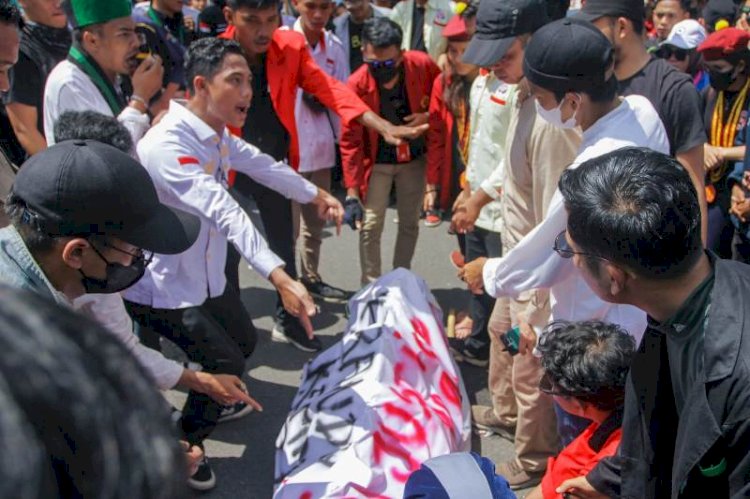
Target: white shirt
<point x="533" y="264"/>
<point x="491" y="108"/>
<point x="188" y="162"/>
<point x="320" y="128"/>
<point x="70" y="89"/>
<point x="109" y="311"/>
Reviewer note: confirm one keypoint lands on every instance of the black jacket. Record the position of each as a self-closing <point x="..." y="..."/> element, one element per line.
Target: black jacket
<point x="706" y="452"/>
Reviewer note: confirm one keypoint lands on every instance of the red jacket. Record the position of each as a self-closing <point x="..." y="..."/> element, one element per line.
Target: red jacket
<point x="359" y="147"/>
<point x="440" y="144"/>
<point x="289" y="66"/>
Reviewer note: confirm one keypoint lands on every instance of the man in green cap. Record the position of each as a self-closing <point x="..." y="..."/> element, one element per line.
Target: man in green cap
<point x="104" y="53"/>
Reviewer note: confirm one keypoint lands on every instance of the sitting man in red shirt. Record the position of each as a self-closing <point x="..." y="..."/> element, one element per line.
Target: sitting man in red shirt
<point x="585" y="368"/>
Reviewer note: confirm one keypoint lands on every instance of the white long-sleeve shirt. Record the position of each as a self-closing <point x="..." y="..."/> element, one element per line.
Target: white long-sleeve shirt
<point x="533" y="263"/>
<point x="319" y="127"/>
<point x="189" y="162"/>
<point x="70" y="89"/>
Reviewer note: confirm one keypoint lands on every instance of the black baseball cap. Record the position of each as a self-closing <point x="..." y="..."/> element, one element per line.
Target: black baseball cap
<point x="568" y="55"/>
<point x="499" y="22"/>
<point x="635" y="10"/>
<point x="84" y="187"/>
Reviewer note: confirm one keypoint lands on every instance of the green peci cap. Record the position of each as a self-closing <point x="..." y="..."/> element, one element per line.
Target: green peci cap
<point x="83" y="13"/>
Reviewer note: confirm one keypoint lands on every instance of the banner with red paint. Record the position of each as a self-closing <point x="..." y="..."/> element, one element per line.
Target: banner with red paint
<point x="378" y="403"/>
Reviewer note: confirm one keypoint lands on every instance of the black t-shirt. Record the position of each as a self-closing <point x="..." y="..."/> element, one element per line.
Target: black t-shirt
<point x="263" y="129"/>
<point x="675" y="98"/>
<point x="394" y="107"/>
<point x="417" y="29"/>
<point x="355" y="44"/>
<point x="27" y="87"/>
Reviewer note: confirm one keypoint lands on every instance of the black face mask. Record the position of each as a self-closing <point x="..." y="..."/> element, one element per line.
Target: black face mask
<point x="721" y="80"/>
<point x="383" y="71"/>
<point x="119" y="276"/>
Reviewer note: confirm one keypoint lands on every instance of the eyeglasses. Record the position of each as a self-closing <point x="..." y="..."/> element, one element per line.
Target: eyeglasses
<point x="563" y="249"/>
<point x="139" y="255"/>
<point x="375" y="64"/>
<point x="667" y="51"/>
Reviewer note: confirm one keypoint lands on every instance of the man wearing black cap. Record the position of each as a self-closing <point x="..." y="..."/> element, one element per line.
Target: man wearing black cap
<point x="639" y="73"/>
<point x="569" y="65"/>
<point x="86" y="219"/>
<point x="536" y="153"/>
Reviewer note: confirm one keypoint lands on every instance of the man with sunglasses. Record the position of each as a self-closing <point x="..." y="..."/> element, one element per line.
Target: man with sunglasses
<point x="679" y="50"/>
<point x="398" y="83"/>
<point x="281" y="65"/>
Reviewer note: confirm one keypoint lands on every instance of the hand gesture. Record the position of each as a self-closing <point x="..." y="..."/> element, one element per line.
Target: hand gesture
<point x="297" y="301"/>
<point x="471" y="274"/>
<point x="147" y="77"/>
<point x="329" y="208"/>
<point x="354" y="212"/>
<point x="226" y="389"/>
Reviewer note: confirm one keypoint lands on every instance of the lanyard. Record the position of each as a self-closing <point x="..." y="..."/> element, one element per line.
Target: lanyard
<point x="724" y="131"/>
<point x="159" y="22"/>
<point x="89" y="67"/>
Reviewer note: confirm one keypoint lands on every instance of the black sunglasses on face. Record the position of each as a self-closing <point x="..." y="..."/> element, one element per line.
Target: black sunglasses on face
<point x="667" y="51"/>
<point x="388" y="63"/>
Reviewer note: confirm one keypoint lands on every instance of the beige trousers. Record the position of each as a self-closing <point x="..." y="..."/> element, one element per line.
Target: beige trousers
<point x="309" y="226"/>
<point x="409" y="179"/>
<point x="514" y="387"/>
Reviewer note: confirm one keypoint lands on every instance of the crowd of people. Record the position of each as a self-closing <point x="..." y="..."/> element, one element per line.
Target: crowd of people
<point x="589" y="160"/>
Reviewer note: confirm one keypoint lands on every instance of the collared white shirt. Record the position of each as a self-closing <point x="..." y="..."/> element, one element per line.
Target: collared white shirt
<point x="491" y="108"/>
<point x="70" y="89"/>
<point x="319" y="129"/>
<point x="189" y="162"/>
<point x="533" y="263"/>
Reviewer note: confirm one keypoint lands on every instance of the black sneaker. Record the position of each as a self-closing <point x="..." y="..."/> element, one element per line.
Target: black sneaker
<point x="203" y="478"/>
<point x="463" y="353"/>
<point x="235" y="411"/>
<point x="326" y="292"/>
<point x="291" y="331"/>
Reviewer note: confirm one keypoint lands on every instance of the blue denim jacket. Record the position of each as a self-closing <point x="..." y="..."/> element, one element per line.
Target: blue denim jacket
<point x="18" y="268"/>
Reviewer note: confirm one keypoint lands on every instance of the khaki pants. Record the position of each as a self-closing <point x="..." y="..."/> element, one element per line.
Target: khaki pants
<point x="516" y="399"/>
<point x="409" y="179"/>
<point x="309" y="225"/>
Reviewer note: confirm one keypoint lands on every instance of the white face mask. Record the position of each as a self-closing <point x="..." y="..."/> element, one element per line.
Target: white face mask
<point x="554" y="116"/>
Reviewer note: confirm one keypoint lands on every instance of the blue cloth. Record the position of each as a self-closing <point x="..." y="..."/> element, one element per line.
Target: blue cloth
<point x="424" y="484"/>
<point x="569" y="426"/>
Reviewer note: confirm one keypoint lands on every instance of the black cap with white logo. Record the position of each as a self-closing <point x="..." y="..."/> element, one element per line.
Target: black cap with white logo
<point x="499" y="22"/>
<point x="84" y="187"/>
<point x="568" y="55"/>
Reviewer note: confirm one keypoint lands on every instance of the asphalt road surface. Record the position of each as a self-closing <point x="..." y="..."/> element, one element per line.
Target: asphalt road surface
<point x="241" y="452"/>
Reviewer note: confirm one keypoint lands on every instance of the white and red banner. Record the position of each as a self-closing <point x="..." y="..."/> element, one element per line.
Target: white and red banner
<point x="374" y="406"/>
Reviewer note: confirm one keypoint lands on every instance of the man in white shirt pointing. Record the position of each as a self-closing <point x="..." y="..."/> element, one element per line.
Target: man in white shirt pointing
<point x="185" y="297"/>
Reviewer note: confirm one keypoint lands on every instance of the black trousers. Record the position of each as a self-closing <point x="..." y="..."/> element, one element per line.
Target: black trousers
<point x="479" y="243"/>
<point x="219" y="335"/>
<point x="276" y="216"/>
